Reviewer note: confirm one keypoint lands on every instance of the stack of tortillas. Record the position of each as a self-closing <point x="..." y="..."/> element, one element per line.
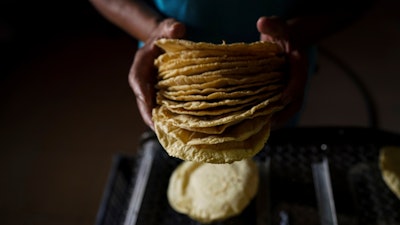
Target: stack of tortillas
<point x="215" y="101"/>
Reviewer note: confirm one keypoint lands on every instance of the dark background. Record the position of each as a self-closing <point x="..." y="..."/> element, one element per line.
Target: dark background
<point x="66" y="110"/>
<point x="26" y="27"/>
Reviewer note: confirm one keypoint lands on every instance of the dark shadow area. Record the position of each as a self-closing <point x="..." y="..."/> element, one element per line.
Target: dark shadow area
<point x="26" y="27"/>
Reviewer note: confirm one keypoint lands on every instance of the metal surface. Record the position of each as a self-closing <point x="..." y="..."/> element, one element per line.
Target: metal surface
<point x="324" y="193"/>
<point x="139" y="189"/>
<point x="263" y="199"/>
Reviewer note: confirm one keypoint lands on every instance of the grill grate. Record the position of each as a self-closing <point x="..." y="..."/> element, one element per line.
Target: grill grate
<point x="360" y="194"/>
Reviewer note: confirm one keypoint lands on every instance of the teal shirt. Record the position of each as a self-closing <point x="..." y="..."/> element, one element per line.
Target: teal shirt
<point x="230" y="20"/>
<point x="223" y="20"/>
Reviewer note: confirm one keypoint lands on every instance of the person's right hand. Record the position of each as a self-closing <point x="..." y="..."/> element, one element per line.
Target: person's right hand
<point x="143" y="74"/>
<point x="276" y="30"/>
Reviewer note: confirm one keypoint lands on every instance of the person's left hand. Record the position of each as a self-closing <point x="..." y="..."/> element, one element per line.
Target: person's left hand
<point x="276" y="30"/>
<point x="143" y="74"/>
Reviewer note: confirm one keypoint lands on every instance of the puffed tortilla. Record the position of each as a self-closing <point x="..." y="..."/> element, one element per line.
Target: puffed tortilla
<point x="209" y="193"/>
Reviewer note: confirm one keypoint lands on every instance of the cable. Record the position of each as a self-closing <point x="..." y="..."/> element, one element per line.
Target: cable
<point x="369" y="101"/>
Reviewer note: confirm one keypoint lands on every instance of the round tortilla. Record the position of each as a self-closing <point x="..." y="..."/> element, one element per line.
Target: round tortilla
<point x="209" y="192"/>
<point x="389" y="162"/>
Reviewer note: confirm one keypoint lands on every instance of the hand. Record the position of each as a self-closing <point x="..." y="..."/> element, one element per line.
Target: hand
<point x="276" y="30"/>
<point x="143" y="73"/>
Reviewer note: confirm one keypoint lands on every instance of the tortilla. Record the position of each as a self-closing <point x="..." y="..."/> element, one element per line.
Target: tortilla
<point x="225" y="152"/>
<point x="389" y="162"/>
<point x="209" y="192"/>
<point x="265" y="65"/>
<point x="201" y="105"/>
<point x="216" y="95"/>
<point x="259" y="47"/>
<point x="190" y="122"/>
<point x="238" y="132"/>
<point x="215" y="101"/>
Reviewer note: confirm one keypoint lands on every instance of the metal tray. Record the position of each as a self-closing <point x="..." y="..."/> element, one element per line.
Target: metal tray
<point x="324" y="175"/>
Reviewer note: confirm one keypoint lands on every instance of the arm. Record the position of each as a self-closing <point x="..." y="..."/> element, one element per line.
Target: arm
<point x="143" y="23"/>
<point x="133" y="16"/>
<point x="295" y="36"/>
<point x="309" y="27"/>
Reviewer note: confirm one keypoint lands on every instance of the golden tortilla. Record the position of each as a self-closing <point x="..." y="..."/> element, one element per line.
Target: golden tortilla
<point x="201" y="105"/>
<point x="190" y="122"/>
<point x="238" y="132"/>
<point x="259" y="47"/>
<point x="209" y="91"/>
<point x="164" y="65"/>
<point x="210" y="192"/>
<point x="389" y="162"/>
<point x="225" y="152"/>
<point x="265" y="65"/>
<point x="216" y="111"/>
<point x="221" y="94"/>
<point x="260" y="79"/>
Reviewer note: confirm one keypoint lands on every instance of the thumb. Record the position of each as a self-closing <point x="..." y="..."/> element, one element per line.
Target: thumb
<point x="274" y="29"/>
<point x="273" y="26"/>
<point x="173" y="29"/>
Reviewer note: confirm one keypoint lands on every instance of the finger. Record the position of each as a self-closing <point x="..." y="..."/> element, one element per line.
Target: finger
<point x="273" y="26"/>
<point x="145" y="112"/>
<point x="297" y="77"/>
<point x="142" y="78"/>
<point x="262" y="25"/>
<point x="143" y="71"/>
<point x="275" y="30"/>
<point x="170" y="28"/>
<point x="145" y="103"/>
<point x="293" y="94"/>
<point x="175" y="30"/>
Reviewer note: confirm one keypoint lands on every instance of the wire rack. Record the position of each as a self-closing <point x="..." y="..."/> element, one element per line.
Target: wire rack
<point x="290" y="168"/>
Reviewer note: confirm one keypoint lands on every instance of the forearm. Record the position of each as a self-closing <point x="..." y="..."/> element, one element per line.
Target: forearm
<point x="133" y="16"/>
